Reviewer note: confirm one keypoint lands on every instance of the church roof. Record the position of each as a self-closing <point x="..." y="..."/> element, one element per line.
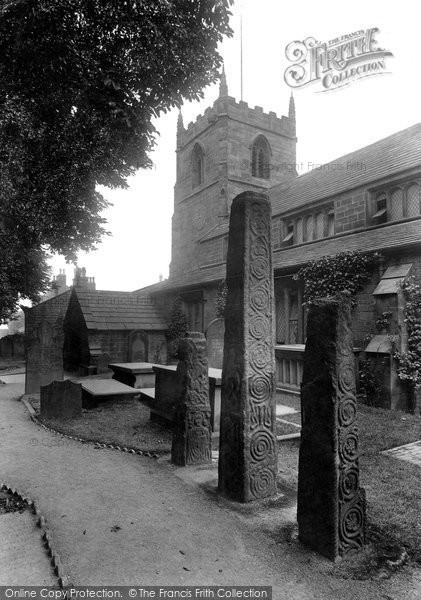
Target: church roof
<point x="393" y="154"/>
<point x="119" y="310"/>
<point x="392" y="236"/>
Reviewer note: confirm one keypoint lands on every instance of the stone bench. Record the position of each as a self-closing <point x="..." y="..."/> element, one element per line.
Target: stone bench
<point x="162" y="400"/>
<point x="97" y="390"/>
<point x="136" y="374"/>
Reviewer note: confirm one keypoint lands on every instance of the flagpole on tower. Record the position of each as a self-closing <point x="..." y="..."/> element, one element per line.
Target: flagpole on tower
<point x="241" y="50"/>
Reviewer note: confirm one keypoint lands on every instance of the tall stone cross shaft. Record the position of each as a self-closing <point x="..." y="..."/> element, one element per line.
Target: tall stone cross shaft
<point x="248" y="447"/>
<point x="191" y="443"/>
<point x="331" y="504"/>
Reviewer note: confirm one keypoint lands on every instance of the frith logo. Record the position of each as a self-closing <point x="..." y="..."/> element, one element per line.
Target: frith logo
<point x="336" y="63"/>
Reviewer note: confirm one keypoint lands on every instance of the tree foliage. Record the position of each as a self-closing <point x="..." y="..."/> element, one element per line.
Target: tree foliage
<point x="80" y="82"/>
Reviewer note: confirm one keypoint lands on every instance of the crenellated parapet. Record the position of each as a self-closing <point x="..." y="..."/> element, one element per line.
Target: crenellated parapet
<point x="228" y="107"/>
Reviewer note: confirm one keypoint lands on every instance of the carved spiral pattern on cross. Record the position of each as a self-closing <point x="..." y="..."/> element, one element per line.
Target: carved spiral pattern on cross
<point x="259" y="328"/>
<point x="348" y="484"/>
<point x="262" y="482"/>
<point x="347" y="411"/>
<point x="259" y="268"/>
<point x="258" y="220"/>
<point x="348" y="444"/>
<point x="259" y="299"/>
<point x="351" y="523"/>
<point x="259" y="248"/>
<point x="346" y="379"/>
<point x="259" y="356"/>
<point x="260" y="388"/>
<point x="262" y="444"/>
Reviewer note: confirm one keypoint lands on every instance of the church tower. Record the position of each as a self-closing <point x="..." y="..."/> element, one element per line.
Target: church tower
<point x="229" y="149"/>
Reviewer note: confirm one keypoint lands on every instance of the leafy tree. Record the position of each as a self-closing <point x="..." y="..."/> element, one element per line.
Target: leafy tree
<point x="80" y="82"/>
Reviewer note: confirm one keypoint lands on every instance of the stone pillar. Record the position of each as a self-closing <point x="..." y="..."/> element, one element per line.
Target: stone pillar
<point x="191" y="442"/>
<point x="331" y="504"/>
<point x="248" y="448"/>
<point x="44" y="340"/>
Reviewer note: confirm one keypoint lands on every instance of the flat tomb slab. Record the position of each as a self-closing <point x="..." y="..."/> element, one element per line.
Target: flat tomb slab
<point x="135" y="367"/>
<point x="215" y="374"/>
<point x="147" y="394"/>
<point x="282" y="409"/>
<point x="409" y="452"/>
<point x="107" y="387"/>
<point x="136" y="375"/>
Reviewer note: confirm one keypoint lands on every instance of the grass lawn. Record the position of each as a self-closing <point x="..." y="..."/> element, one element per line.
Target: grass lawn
<point x="121" y="422"/>
<point x="393" y="486"/>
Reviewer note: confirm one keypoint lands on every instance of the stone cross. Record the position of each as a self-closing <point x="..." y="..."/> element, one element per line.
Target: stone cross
<point x="191" y="443"/>
<point x="248" y="447"/>
<point x="331" y="504"/>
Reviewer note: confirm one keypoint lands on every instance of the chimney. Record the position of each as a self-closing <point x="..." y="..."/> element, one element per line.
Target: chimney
<point x="60" y="280"/>
<point x="82" y="282"/>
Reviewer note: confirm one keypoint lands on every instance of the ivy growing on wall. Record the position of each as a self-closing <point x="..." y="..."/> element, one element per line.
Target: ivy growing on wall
<point x="177" y="326"/>
<point x="221" y="300"/>
<point x="330" y="275"/>
<point x="409" y="362"/>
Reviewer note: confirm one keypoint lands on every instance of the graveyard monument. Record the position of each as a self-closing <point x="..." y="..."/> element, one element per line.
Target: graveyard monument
<point x="191" y="442"/>
<point x="331" y="504"/>
<point x="248" y="448"/>
<point x="61" y="400"/>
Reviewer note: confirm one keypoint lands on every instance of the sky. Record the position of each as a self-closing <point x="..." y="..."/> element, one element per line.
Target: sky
<point x="329" y="124"/>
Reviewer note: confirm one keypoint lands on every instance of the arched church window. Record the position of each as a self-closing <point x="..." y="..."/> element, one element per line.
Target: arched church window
<point x="260" y="158"/>
<point x="197" y="166"/>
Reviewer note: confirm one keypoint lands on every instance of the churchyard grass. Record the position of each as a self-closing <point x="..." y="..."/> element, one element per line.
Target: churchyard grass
<point x="124" y="423"/>
<point x="393" y="486"/>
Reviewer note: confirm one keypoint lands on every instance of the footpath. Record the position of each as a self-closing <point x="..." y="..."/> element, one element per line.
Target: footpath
<point x="122" y="519"/>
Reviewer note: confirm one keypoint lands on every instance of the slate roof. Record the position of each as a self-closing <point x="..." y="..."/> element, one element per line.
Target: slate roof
<point x="119" y="311"/>
<point x="393" y="154"/>
<point x="196" y="278"/>
<point x="388" y="237"/>
<point x="391" y="236"/>
<point x="221" y="229"/>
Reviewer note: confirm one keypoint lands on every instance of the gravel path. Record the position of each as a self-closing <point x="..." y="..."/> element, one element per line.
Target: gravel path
<point x="124" y="519"/>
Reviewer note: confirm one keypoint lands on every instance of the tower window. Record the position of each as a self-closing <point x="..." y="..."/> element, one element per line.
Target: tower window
<point x="197" y="166"/>
<point x="260" y="158"/>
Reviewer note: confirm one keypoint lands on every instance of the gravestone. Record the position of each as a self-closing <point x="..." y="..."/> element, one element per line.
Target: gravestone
<point x="61" y="400"/>
<point x="331" y="504"/>
<point x="102" y="361"/>
<point x="137" y="347"/>
<point x="248" y="448"/>
<point x="215" y="342"/>
<point x="44" y="353"/>
<point x="191" y="443"/>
